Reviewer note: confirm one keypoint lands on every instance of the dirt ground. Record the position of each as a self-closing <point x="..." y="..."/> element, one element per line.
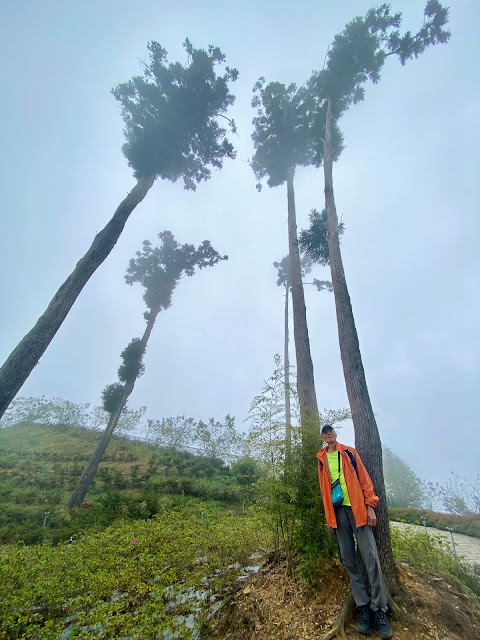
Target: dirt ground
<point x="271" y="606"/>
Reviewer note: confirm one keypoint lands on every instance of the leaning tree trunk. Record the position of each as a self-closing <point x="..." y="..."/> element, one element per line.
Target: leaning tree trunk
<point x="286" y="369"/>
<point x="305" y="380"/>
<point x="91" y="469"/>
<point x="28" y="352"/>
<point x="367" y="437"/>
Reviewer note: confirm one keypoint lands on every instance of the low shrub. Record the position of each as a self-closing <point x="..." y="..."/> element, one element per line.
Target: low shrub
<point x="429" y="553"/>
<point x="468" y="524"/>
<point x="117" y="582"/>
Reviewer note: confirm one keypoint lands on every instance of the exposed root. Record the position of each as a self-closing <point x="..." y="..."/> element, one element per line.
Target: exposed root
<point x="346" y="613"/>
<point x="400" y="614"/>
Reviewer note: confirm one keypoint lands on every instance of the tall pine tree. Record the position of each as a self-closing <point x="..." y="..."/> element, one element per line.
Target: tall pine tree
<point x="172" y="131"/>
<point x="283" y="142"/>
<point x="158" y="270"/>
<point x="356" y="56"/>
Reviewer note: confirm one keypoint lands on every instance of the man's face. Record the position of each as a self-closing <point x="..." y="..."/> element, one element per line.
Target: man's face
<point x="329" y="436"/>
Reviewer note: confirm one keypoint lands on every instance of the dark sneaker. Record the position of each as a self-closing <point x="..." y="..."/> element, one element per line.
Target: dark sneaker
<point x="363" y="624"/>
<point x="383" y="625"/>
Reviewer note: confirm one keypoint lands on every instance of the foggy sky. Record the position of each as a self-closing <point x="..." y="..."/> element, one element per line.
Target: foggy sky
<point x="406" y="186"/>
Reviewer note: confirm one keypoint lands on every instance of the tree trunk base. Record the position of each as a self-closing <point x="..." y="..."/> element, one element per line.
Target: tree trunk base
<point x="347" y="612"/>
<point x="345" y="615"/>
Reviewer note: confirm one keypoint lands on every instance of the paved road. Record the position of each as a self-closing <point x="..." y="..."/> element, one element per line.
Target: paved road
<point x="467" y="547"/>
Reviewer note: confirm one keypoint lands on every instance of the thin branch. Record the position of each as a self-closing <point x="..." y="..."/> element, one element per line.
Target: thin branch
<point x="153" y="116"/>
<point x="231" y="122"/>
<point x="326" y="54"/>
<point x="143" y="62"/>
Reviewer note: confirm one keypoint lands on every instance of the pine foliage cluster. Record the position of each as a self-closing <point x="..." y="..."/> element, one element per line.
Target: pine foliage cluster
<point x="170" y="115"/>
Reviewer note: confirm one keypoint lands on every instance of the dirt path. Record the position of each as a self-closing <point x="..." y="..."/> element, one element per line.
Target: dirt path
<point x="466" y="547"/>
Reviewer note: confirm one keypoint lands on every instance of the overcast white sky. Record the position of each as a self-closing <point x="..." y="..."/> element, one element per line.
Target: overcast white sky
<point x="407" y="188"/>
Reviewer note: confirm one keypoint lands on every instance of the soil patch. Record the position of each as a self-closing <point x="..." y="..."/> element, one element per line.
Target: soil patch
<point x="272" y="606"/>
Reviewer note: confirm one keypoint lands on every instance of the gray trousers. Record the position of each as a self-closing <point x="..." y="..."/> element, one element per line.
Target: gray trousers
<point x="346" y="529"/>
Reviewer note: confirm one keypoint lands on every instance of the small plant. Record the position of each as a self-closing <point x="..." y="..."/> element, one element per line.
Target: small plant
<point x="288" y="489"/>
<point x="429" y="553"/>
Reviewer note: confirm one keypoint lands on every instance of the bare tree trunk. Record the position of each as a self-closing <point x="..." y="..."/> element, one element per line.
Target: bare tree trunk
<point x="286" y="366"/>
<point x="305" y="379"/>
<point x="91" y="469"/>
<point x="28" y="352"/>
<point x="367" y="437"/>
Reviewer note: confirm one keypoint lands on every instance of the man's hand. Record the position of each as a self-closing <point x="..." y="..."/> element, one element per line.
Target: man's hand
<point x="371" y="517"/>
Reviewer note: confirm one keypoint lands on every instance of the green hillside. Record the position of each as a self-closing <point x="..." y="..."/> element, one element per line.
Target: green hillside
<point x="40" y="465"/>
<point x="157" y="578"/>
<point x="160" y="542"/>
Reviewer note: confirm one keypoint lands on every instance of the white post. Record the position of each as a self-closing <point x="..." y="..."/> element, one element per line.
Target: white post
<point x="453" y="543"/>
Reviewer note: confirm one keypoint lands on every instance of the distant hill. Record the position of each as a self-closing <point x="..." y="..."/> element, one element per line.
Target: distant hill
<point x="40" y="465"/>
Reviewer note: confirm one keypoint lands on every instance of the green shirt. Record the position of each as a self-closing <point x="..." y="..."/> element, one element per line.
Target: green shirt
<point x="332" y="459"/>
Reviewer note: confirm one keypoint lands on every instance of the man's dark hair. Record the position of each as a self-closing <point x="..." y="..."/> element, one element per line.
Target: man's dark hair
<point x="326" y="427"/>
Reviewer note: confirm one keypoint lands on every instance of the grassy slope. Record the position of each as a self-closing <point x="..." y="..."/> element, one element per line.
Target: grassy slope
<point x="42" y="587"/>
<point x="39" y="591"/>
<point x="40" y="465"/>
<point x="68" y="443"/>
<point x="116" y="582"/>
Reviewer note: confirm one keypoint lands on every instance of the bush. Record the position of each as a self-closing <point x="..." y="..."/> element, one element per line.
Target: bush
<point x="432" y="554"/>
<point x="103" y="577"/>
<point x="468" y="524"/>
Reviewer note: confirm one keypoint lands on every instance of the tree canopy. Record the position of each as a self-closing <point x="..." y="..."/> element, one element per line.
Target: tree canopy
<point x="171" y="115"/>
<point x="132" y="366"/>
<point x="159" y="269"/>
<point x="217" y="439"/>
<point x="177" y="432"/>
<point x="313" y="241"/>
<point x="284" y="275"/>
<point x="357" y="55"/>
<point x="281" y="133"/>
<point x="403" y="486"/>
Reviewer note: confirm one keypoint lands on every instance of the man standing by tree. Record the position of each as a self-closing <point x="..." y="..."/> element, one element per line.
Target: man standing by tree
<point x="352" y="512"/>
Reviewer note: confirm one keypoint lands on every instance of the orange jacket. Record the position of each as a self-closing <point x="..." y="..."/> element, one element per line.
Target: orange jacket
<point x="360" y="488"/>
